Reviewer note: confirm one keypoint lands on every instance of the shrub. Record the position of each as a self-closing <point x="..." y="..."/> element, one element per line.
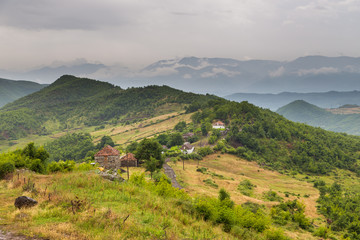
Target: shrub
<point x="246" y="187"/>
<point x="319" y="183"/>
<point x="202" y="169"/>
<point x="61" y="166"/>
<point x="37" y="166"/>
<point x="272" y="196"/>
<point x="210" y="183"/>
<point x="275" y="234"/>
<point x="322" y="232"/>
<point x="5" y="168"/>
<point x="290" y="211"/>
<point x="204" y="151"/>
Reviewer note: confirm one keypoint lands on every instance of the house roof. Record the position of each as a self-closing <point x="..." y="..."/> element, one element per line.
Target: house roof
<point x="128" y="157"/>
<point x="187" y="146"/>
<point x="218" y="123"/>
<point x="189" y="134"/>
<point x="107" y="151"/>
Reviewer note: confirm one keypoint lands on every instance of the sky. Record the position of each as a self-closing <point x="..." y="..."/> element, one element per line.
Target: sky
<point x="136" y="33"/>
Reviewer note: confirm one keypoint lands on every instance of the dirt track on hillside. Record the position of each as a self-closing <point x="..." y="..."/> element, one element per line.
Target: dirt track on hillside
<point x="171" y="174"/>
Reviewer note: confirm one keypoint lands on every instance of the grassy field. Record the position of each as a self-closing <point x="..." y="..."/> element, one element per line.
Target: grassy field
<point x="227" y="171"/>
<point x="82" y="205"/>
<point x="232" y="170"/>
<point x="121" y="134"/>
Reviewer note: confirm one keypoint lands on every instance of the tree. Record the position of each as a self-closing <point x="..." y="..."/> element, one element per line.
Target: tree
<point x="148" y="148"/>
<point x="204" y="130"/>
<point x="180" y="126"/>
<point x="132" y="147"/>
<point x="105" y="140"/>
<point x="163" y="139"/>
<point x="175" y="139"/>
<point x="151" y="165"/>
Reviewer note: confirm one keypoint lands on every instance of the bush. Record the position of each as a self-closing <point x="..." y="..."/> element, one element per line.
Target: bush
<point x="37" y="166"/>
<point x="246" y="187"/>
<point x="204" y="151"/>
<point x="275" y="234"/>
<point x="202" y="169"/>
<point x="210" y="183"/>
<point x="290" y="211"/>
<point x="5" y="168"/>
<point x="272" y="196"/>
<point x="322" y="232"/>
<point x="61" y="166"/>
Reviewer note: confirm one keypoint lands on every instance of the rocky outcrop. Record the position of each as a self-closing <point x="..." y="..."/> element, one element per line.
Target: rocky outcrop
<point x="24" y="202"/>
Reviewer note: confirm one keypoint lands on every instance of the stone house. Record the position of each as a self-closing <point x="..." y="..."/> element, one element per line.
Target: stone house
<point x="129" y="160"/>
<point x="218" y="125"/>
<point x="187" y="148"/>
<point x="108" y="158"/>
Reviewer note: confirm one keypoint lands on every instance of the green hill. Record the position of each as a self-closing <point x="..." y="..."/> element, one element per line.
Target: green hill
<point x="71" y="102"/>
<point x="301" y="111"/>
<point x="11" y="90"/>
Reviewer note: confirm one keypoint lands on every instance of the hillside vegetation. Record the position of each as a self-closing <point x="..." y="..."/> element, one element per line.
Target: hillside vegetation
<point x="301" y="111"/>
<point x="71" y="102"/>
<point x="11" y="90"/>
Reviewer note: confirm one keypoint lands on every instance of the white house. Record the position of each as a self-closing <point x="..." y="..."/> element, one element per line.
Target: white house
<point x="218" y="125"/>
<point x="187" y="148"/>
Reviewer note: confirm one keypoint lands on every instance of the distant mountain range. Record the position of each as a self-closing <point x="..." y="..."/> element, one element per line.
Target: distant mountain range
<point x="301" y="111"/>
<point x="221" y="76"/>
<point x="11" y="90"/>
<point x="332" y="99"/>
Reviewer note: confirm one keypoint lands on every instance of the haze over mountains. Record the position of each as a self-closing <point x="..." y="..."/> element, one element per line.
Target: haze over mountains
<point x="304" y="112"/>
<point x="331" y="99"/>
<point x="221" y="76"/>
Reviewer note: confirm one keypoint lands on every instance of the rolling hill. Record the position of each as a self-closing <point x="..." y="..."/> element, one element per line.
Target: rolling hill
<point x="71" y="102"/>
<point x="11" y="90"/>
<point x="301" y="111"/>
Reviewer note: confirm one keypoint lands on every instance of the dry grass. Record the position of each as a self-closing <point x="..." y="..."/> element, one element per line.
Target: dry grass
<point x="121" y="134"/>
<point x="231" y="167"/>
<point x="134" y="132"/>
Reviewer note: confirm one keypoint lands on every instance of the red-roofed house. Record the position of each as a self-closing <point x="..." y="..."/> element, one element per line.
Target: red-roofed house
<point x="218" y="125"/>
<point x="129" y="160"/>
<point x="108" y="158"/>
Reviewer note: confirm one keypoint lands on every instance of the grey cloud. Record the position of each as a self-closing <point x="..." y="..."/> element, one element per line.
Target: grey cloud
<point x="65" y="14"/>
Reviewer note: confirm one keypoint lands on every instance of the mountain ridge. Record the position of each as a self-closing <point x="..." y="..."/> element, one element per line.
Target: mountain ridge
<point x="221" y="76"/>
<point x="71" y="101"/>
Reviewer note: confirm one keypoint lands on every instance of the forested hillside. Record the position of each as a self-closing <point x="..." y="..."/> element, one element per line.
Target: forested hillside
<point x="71" y="102"/>
<point x="301" y="111"/>
<point x="11" y="90"/>
<point x="275" y="142"/>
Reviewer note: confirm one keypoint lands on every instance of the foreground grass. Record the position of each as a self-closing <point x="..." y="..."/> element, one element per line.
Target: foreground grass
<point x="81" y="205"/>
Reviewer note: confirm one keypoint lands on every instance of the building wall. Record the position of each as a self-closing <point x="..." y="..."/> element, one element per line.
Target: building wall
<point x="108" y="162"/>
<point x="129" y="163"/>
<point x="219" y="127"/>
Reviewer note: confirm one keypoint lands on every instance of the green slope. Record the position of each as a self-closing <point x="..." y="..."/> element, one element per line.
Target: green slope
<point x="301" y="111"/>
<point x="71" y="102"/>
<point x="11" y="90"/>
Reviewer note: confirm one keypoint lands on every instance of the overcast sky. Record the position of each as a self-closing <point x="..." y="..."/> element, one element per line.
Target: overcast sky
<point x="138" y="32"/>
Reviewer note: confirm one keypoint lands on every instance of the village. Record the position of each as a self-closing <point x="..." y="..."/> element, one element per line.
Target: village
<point x="108" y="158"/>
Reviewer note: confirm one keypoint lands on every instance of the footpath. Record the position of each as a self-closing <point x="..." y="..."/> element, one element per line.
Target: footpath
<point x="171" y="174"/>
